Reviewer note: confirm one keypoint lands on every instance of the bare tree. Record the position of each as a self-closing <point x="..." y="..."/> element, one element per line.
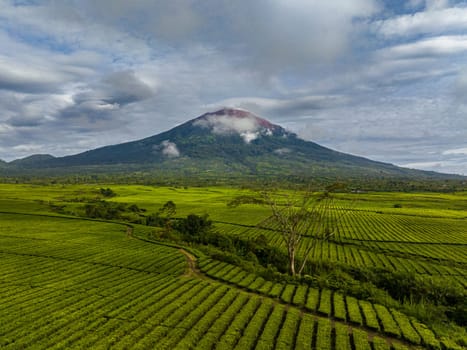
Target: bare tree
<point x="169" y="209"/>
<point x="303" y="222"/>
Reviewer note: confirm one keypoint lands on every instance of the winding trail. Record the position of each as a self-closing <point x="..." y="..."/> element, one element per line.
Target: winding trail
<point x="191" y="269"/>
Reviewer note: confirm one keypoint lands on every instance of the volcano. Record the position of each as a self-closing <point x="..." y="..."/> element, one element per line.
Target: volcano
<point x="227" y="141"/>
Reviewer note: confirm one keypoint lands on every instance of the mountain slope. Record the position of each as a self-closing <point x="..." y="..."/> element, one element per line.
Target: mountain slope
<point x="225" y="141"/>
<point x="33" y="160"/>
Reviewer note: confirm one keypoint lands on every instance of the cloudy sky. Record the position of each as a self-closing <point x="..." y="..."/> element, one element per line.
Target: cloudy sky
<point x="385" y="79"/>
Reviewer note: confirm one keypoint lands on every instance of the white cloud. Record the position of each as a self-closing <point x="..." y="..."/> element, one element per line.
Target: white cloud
<point x="18" y="76"/>
<point x="436" y="19"/>
<point x="249" y="136"/>
<point x="437" y="46"/>
<point x="114" y="90"/>
<point x="290" y="35"/>
<point x="235" y="121"/>
<point x="170" y="149"/>
<point x="443" y="166"/>
<point x="225" y="124"/>
<point x="461" y="88"/>
<point x="5" y="128"/>
<point x="282" y="151"/>
<point x="27" y="148"/>
<point x="282" y="106"/>
<point x="268" y="36"/>
<point x="424" y="165"/>
<point x="460" y="151"/>
<point x="392" y="129"/>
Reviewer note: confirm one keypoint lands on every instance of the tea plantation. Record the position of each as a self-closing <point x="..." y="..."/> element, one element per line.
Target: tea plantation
<point x="71" y="282"/>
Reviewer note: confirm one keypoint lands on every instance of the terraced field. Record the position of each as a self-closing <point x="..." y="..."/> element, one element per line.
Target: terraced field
<point x="92" y="286"/>
<point x="73" y="283"/>
<point x="434" y="246"/>
<point x="359" y="314"/>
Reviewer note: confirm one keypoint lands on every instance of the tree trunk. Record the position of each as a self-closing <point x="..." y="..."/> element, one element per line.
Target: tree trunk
<point x="292" y="261"/>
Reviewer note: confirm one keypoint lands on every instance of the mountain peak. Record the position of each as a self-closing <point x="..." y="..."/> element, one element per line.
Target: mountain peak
<point x="241" y="114"/>
<point x="232" y="120"/>
<point x="235" y="112"/>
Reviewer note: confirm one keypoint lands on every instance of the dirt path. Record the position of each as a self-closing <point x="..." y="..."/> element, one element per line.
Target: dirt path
<point x="191" y="269"/>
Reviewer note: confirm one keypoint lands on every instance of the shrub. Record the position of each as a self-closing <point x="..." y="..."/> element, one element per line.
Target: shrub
<point x="107" y="192"/>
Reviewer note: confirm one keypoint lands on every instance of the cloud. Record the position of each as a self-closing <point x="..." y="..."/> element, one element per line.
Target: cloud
<point x="26" y="68"/>
<point x="22" y="110"/>
<point x="173" y="20"/>
<point x="124" y="87"/>
<point x="287" y="36"/>
<point x="436" y="19"/>
<point x="436" y="4"/>
<point x="25" y="78"/>
<point x="392" y="129"/>
<point x="94" y="104"/>
<point x="460" y="151"/>
<point x="282" y="106"/>
<point x="5" y="128"/>
<point x="460" y="88"/>
<point x="412" y="4"/>
<point x="267" y="36"/>
<point x="443" y="166"/>
<point x="91" y="110"/>
<point x="282" y="151"/>
<point x="224" y="124"/>
<point x="437" y="46"/>
<point x="248" y="126"/>
<point x="117" y="88"/>
<point x="249" y="136"/>
<point x="27" y="148"/>
<point x="169" y="149"/>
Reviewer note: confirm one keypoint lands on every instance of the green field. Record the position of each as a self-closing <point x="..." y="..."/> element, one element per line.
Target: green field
<point x="69" y="282"/>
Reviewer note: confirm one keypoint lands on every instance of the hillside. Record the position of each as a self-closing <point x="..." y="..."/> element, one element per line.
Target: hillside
<point x="33" y="160"/>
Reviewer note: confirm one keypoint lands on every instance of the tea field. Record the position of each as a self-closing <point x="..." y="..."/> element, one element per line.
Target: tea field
<point x="69" y="282"/>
